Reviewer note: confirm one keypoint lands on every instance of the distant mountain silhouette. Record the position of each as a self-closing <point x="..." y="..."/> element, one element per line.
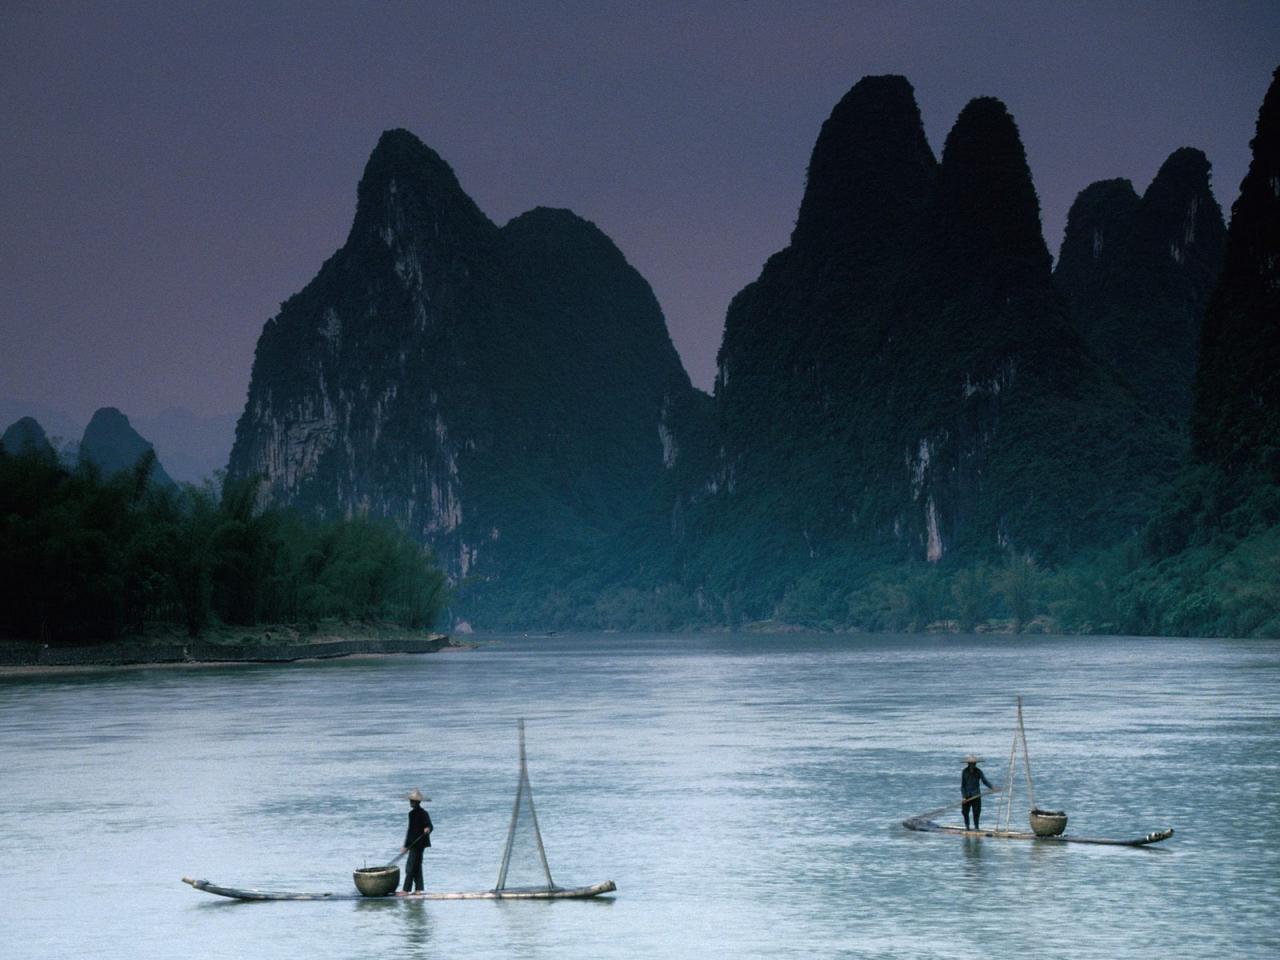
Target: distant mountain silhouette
<point x="1138" y="274"/>
<point x="111" y="443"/>
<point x="193" y="447"/>
<point x="26" y="436"/>
<point x="59" y="426"/>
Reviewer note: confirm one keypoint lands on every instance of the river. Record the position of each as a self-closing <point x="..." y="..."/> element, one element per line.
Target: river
<point x="745" y="793"/>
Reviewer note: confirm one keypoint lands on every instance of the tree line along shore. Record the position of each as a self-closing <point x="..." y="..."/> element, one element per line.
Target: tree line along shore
<point x="89" y="559"/>
<point x="94" y="561"/>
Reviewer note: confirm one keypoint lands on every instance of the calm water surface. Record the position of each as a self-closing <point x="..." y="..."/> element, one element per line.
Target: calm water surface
<point x="745" y="793"/>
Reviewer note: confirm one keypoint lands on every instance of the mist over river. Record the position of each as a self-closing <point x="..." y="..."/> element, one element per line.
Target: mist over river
<point x="745" y="793"/>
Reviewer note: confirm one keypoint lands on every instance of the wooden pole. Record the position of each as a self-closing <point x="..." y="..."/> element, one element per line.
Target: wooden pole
<point x="533" y="812"/>
<point x="401" y="855"/>
<point x="928" y="814"/>
<point x="1006" y="802"/>
<point x="515" y="814"/>
<point x="1026" y="757"/>
<point x="524" y="791"/>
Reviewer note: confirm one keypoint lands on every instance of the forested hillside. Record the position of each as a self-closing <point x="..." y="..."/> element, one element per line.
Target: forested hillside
<point x="508" y="396"/>
<point x="903" y="390"/>
<point x="1213" y="551"/>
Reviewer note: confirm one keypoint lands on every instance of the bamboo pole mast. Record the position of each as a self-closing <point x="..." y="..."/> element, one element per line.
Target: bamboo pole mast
<point x="524" y="791"/>
<point x="1006" y="801"/>
<point x="1026" y="757"/>
<point x="515" y="815"/>
<point x="533" y="813"/>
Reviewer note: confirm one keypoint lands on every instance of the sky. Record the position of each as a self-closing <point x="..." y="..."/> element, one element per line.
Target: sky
<point x="171" y="172"/>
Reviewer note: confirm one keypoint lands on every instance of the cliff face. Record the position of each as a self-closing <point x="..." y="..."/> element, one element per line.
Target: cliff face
<point x="615" y="375"/>
<point x="498" y="392"/>
<point x="903" y="382"/>
<point x="907" y="382"/>
<point x="801" y="345"/>
<point x="1212" y="547"/>
<point x="1138" y="273"/>
<point x="1236" y="422"/>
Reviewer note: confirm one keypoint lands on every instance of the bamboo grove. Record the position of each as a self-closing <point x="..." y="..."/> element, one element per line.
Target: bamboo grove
<point x="89" y="558"/>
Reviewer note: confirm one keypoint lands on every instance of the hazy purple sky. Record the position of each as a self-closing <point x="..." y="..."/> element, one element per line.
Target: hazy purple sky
<point x="170" y="172"/>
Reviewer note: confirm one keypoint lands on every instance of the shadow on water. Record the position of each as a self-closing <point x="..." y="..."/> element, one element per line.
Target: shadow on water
<point x="225" y="904"/>
<point x="551" y="904"/>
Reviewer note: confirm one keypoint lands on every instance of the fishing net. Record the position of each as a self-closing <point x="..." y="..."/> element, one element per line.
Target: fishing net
<point x="524" y="861"/>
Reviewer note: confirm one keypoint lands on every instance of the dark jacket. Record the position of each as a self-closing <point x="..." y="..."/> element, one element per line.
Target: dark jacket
<point x="419" y="824"/>
<point x="969" y="781"/>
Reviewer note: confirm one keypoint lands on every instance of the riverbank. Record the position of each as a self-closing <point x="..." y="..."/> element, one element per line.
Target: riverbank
<point x="167" y="646"/>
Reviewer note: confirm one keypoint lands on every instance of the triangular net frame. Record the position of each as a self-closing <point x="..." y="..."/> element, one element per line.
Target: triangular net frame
<point x="523" y="838"/>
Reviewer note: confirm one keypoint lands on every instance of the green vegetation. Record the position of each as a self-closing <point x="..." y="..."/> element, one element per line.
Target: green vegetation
<point x="1213" y="558"/>
<point x="88" y="558"/>
<point x="1207" y="565"/>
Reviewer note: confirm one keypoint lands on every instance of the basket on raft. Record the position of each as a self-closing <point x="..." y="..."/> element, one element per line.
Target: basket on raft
<point x="1048" y="823"/>
<point x="377" y="881"/>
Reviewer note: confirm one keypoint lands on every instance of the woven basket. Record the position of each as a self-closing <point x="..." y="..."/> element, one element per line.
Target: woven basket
<point x="377" y="881"/>
<point x="1048" y="823"/>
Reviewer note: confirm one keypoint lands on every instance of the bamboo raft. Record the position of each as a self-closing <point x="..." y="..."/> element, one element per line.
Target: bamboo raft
<point x="1046" y="826"/>
<point x="510" y="893"/>
<point x="522" y="812"/>
<point x="929" y="826"/>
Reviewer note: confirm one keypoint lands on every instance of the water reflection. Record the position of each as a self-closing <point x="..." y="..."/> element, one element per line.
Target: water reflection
<point x="417" y="924"/>
<point x="974" y="871"/>
<point x="1045" y="853"/>
<point x="973" y="848"/>
<point x="526" y="923"/>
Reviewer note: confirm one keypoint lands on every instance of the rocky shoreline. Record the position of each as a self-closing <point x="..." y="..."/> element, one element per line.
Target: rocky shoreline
<point x="255" y="649"/>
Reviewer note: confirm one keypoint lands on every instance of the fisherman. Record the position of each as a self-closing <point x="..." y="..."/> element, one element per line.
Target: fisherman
<point x="416" y="839"/>
<point x="971" y="791"/>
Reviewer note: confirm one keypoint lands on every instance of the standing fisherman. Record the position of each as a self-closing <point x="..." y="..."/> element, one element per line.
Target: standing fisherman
<point x="416" y="839"/>
<point x="971" y="791"/>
